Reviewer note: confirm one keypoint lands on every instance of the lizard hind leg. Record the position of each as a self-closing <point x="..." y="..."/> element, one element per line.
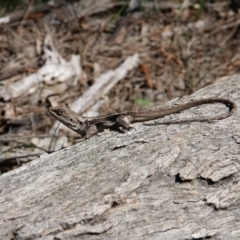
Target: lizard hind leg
<point x="123" y="122"/>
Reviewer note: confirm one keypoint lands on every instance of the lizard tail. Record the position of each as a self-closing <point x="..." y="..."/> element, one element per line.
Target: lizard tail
<point x="231" y="106"/>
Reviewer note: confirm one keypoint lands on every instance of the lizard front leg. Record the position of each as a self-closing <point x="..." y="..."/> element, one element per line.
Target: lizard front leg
<point x="92" y="130"/>
<point x="89" y="133"/>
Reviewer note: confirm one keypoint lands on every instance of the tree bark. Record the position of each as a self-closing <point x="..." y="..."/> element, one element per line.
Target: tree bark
<point x="178" y="181"/>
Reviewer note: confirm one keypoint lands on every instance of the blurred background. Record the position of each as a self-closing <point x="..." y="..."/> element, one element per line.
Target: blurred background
<point x="104" y="56"/>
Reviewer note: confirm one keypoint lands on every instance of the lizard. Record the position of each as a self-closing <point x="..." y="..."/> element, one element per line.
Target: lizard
<point x="89" y="126"/>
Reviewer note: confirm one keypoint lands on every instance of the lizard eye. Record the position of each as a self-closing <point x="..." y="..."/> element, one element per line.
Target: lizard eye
<point x="60" y="112"/>
<point x="70" y="119"/>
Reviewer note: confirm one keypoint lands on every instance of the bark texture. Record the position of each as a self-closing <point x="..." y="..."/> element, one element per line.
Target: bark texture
<point x="177" y="181"/>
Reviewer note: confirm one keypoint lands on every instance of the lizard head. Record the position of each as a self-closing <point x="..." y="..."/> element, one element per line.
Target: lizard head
<point x="66" y="116"/>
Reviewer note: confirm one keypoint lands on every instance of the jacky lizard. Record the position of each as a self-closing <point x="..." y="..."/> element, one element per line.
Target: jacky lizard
<point x="88" y="126"/>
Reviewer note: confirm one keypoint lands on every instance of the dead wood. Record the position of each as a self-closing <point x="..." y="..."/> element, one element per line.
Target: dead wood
<point x="162" y="182"/>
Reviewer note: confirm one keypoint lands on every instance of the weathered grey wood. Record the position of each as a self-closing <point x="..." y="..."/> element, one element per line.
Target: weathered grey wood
<point x="161" y="182"/>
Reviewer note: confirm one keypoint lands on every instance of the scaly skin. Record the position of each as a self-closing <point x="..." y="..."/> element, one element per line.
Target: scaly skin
<point x="88" y="126"/>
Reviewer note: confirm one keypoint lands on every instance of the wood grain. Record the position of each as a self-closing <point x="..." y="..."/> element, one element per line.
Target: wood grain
<point x="161" y="182"/>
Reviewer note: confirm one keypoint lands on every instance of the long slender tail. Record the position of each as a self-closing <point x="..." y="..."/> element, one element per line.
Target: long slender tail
<point x="231" y="106"/>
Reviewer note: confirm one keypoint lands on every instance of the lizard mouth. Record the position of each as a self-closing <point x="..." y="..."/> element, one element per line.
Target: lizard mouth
<point x="72" y="123"/>
<point x="75" y="127"/>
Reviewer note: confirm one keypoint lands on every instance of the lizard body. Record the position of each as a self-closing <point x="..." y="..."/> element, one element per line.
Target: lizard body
<point x="88" y="126"/>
